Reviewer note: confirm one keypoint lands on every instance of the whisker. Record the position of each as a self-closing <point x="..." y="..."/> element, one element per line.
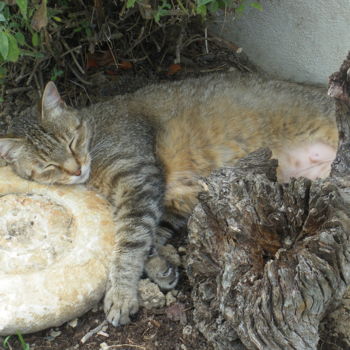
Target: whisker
<point x="330" y="160"/>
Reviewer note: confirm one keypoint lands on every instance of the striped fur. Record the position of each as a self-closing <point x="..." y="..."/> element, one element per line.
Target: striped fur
<point x="146" y="151"/>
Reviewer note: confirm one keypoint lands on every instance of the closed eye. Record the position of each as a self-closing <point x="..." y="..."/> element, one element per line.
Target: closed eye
<point x="49" y="166"/>
<point x="71" y="144"/>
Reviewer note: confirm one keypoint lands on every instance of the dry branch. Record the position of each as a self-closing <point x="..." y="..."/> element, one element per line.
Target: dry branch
<point x="268" y="261"/>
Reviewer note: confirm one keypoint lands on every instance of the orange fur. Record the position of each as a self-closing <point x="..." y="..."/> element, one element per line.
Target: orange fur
<point x="205" y="124"/>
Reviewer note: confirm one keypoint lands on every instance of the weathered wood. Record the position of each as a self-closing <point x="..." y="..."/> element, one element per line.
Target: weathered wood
<point x="339" y="88"/>
<point x="268" y="261"/>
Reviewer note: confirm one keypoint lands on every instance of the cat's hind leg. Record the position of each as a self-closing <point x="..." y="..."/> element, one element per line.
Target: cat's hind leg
<point x="161" y="268"/>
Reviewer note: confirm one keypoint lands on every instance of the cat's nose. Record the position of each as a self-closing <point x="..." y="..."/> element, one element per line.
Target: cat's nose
<point x="78" y="172"/>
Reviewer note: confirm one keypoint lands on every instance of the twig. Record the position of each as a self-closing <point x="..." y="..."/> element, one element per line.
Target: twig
<point x="89" y="334"/>
<point x="123" y="346"/>
<point x="136" y="59"/>
<point x="17" y="90"/>
<point x="82" y="87"/>
<point x="156" y="44"/>
<point x="41" y="79"/>
<point x="110" y="46"/>
<point x="227" y="43"/>
<point x="178" y="48"/>
<point x="82" y="71"/>
<point x="206" y="40"/>
<point x="192" y="39"/>
<point x="37" y="83"/>
<point x="79" y="77"/>
<point x="72" y="50"/>
<point x="146" y="55"/>
<point x="36" y="64"/>
<point x="22" y="74"/>
<point x="140" y="39"/>
<point x="182" y="7"/>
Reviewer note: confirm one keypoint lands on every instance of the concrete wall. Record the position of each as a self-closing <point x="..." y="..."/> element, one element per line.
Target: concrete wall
<point x="300" y="40"/>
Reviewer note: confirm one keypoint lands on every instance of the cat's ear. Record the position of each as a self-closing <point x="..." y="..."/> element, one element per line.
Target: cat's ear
<point x="10" y="148"/>
<point x="51" y="102"/>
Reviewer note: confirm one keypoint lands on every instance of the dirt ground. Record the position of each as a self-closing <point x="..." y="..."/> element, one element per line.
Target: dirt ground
<point x="168" y="328"/>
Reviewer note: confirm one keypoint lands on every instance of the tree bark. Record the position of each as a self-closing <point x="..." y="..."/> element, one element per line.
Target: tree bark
<point x="267" y="261"/>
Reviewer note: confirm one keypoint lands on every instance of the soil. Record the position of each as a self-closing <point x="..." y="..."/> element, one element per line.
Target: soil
<point x="167" y="328"/>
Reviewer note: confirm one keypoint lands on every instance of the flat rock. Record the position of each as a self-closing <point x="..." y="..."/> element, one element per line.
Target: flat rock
<point x="55" y="245"/>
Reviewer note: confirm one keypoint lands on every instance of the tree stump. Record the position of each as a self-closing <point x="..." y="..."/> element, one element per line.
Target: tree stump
<point x="268" y="261"/>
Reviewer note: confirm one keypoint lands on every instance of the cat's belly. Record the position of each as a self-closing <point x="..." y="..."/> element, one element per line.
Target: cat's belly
<point x="311" y="160"/>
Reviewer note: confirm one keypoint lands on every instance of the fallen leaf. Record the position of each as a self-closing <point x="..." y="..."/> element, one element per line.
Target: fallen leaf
<point x="111" y="72"/>
<point x="125" y="65"/>
<point x="39" y="19"/>
<point x="176" y="312"/>
<point x="91" y="62"/>
<point x="173" y="68"/>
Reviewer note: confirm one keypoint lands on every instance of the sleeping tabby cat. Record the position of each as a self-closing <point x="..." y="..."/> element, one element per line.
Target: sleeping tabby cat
<point x="145" y="151"/>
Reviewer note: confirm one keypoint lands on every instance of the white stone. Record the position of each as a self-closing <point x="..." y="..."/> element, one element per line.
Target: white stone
<point x="182" y="250"/>
<point x="150" y="295"/>
<point x="54" y="333"/>
<point x="169" y="298"/>
<point x="104" y="346"/>
<point x="73" y="323"/>
<point x="55" y="245"/>
<point x="187" y="330"/>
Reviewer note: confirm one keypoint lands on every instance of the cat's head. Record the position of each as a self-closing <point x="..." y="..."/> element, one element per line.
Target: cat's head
<point x="54" y="149"/>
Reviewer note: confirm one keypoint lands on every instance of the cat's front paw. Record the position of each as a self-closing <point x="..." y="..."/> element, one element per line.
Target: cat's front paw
<point x="119" y="304"/>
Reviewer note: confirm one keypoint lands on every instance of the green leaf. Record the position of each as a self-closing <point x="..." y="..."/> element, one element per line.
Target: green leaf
<point x="240" y="9"/>
<point x="4" y="45"/>
<point x="2" y="5"/>
<point x="157" y="16"/>
<point x="162" y="11"/>
<point x="56" y="73"/>
<point x="201" y="10"/>
<point x="257" y="6"/>
<point x="6" y="12"/>
<point x="20" y="38"/>
<point x="3" y="72"/>
<point x="6" y="341"/>
<point x="32" y="54"/>
<point x="25" y="346"/>
<point x="130" y="3"/>
<point x="214" y="6"/>
<point x="35" y="39"/>
<point x="23" y="6"/>
<point x="88" y="32"/>
<point x="2" y="18"/>
<point x="203" y="2"/>
<point x="14" y="50"/>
